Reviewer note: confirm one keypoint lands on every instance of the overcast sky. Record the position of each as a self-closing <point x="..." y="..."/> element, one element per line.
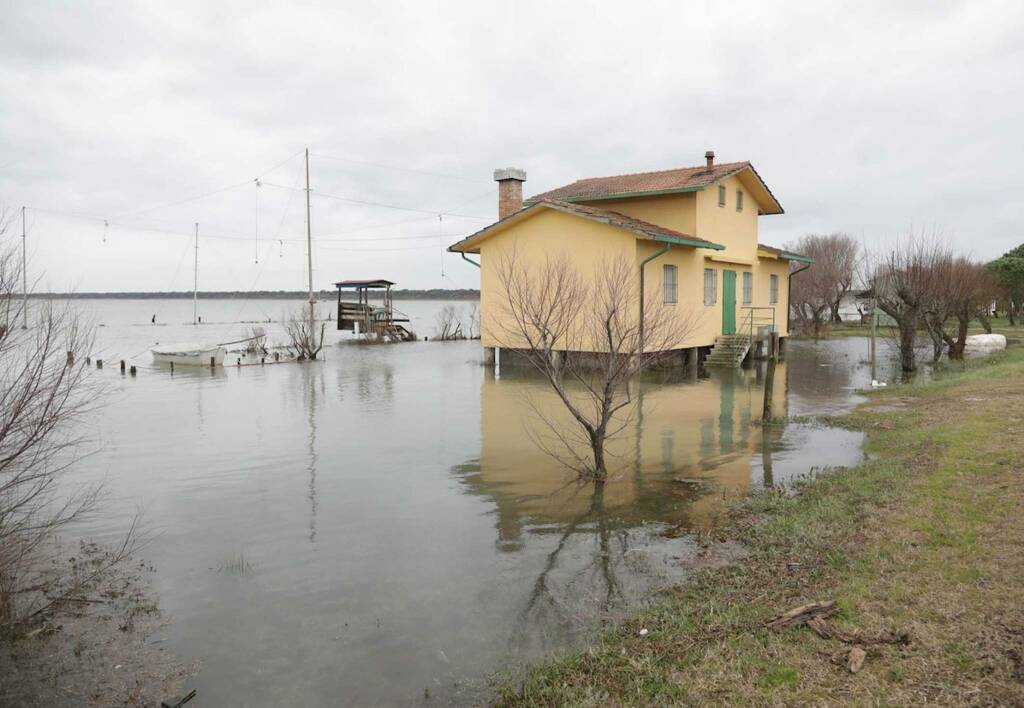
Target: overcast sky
<point x="869" y="118"/>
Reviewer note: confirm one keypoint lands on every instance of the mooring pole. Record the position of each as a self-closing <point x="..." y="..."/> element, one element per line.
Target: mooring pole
<point x="195" y="280"/>
<point x="769" y="378"/>
<point x="309" y="251"/>
<point x="24" y="273"/>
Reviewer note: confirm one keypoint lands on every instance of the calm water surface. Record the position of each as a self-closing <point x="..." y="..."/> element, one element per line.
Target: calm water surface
<point x="365" y="529"/>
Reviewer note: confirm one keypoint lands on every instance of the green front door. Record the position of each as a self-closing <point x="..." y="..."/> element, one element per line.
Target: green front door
<point x="728" y="302"/>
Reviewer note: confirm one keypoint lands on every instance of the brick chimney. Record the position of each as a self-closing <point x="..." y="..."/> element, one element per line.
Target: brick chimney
<point x="710" y="157"/>
<point x="510" y="190"/>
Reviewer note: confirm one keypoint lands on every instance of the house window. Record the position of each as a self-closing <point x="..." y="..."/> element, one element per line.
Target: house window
<point x="773" y="293"/>
<point x="739" y="200"/>
<point x="710" y="286"/>
<point x="669" y="280"/>
<point x="721" y="195"/>
<point x="748" y="288"/>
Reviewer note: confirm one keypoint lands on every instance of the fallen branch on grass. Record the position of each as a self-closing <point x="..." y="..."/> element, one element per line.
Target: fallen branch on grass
<point x="814" y="616"/>
<point x="799" y="616"/>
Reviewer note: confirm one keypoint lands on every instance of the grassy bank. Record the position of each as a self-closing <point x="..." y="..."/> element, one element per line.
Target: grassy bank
<point x="924" y="539"/>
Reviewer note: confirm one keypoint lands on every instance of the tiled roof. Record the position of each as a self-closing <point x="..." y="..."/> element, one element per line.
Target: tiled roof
<point x="643" y="229"/>
<point x="664" y="181"/>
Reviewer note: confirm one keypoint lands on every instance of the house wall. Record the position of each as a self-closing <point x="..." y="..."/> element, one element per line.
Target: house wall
<point x="589" y="245"/>
<point x="676" y="211"/>
<point x="736" y="230"/>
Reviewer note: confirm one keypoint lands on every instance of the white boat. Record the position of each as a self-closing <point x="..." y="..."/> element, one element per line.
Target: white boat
<point x="189" y="354"/>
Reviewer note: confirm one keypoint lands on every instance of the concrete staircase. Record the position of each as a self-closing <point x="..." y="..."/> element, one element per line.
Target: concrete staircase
<point x="729" y="350"/>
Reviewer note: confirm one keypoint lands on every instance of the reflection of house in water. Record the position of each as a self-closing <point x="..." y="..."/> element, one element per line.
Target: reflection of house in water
<point x="688" y="444"/>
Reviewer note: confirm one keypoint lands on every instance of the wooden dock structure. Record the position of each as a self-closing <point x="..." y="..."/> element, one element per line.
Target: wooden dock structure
<point x="363" y="318"/>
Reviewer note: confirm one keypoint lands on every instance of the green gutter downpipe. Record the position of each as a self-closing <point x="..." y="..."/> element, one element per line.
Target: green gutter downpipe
<point x="465" y="258"/>
<point x="643" y="263"/>
<point x="789" y="294"/>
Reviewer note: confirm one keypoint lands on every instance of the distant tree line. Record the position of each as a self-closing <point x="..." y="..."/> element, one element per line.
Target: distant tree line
<point x="431" y="294"/>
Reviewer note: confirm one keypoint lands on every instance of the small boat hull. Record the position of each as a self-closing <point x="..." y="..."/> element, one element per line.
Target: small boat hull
<point x="184" y="355"/>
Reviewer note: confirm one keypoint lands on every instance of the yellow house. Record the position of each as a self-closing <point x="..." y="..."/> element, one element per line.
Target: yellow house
<point x="691" y="234"/>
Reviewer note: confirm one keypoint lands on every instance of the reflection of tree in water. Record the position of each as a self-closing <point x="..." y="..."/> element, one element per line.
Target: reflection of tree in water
<point x="312" y="388"/>
<point x="564" y="599"/>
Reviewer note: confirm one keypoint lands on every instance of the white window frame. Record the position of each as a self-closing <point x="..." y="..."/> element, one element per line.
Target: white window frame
<point x="710" y="286"/>
<point x="721" y="195"/>
<point x="748" y="288"/>
<point x="773" y="289"/>
<point x="670" y="284"/>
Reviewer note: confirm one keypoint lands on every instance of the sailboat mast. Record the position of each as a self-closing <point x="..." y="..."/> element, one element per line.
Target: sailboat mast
<point x="195" y="280"/>
<point x="24" y="273"/>
<point x="309" y="248"/>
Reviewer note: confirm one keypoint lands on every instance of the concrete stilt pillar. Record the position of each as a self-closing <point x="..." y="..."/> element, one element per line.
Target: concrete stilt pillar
<point x="690" y="359"/>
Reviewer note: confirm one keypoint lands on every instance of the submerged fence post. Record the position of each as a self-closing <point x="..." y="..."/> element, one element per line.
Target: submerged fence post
<point x="132" y="370"/>
<point x="213" y="361"/>
<point x="122" y="366"/>
<point x="769" y="378"/>
<point x="172" y="367"/>
<point x="99" y="363"/>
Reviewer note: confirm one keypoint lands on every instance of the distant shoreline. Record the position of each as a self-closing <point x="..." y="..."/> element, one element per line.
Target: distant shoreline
<point x="323" y="295"/>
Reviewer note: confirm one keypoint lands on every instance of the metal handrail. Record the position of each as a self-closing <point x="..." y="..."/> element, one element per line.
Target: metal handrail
<point x="750" y="321"/>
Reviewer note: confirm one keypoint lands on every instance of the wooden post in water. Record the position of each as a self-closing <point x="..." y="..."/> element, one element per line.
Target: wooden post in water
<point x="99" y="363"/>
<point x="769" y="378"/>
<point x="122" y="366"/>
<point x="132" y="370"/>
<point x="213" y="362"/>
<point x="172" y="367"/>
<point x="874" y="331"/>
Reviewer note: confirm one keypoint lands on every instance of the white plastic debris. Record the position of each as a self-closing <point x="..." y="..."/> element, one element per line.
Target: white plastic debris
<point x="643" y="632"/>
<point x="985" y="343"/>
<point x="878" y="384"/>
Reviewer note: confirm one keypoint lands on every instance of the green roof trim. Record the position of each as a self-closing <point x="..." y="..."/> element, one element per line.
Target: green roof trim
<point x="687" y="242"/>
<point x="795" y="257"/>
<point x="623" y="195"/>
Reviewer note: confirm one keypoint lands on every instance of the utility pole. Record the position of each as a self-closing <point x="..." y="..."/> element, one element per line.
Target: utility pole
<point x="309" y="250"/>
<point x="195" y="281"/>
<point x="24" y="274"/>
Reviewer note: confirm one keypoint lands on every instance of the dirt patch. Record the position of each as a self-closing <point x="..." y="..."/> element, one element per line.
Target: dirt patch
<point x="94" y="650"/>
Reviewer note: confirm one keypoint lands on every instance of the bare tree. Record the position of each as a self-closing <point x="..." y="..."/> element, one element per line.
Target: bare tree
<point x="449" y="324"/>
<point x="303" y="337"/>
<point x="965" y="291"/>
<point x="584" y="334"/>
<point x="44" y="391"/>
<point x="474" y="321"/>
<point x="817" y="294"/>
<point x="905" y="282"/>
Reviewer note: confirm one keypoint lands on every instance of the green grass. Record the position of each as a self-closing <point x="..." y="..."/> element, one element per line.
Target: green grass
<point x="924" y="537"/>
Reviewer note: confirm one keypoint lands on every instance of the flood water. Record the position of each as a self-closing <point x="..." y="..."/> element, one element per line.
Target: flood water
<point x="381" y="526"/>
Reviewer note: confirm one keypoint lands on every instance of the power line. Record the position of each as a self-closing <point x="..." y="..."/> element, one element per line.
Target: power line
<point x="432" y="212"/>
<point x="204" y="195"/>
<point x="397" y="169"/>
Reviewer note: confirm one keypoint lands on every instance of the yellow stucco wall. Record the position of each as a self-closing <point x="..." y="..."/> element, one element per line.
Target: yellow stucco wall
<point x="676" y="211"/>
<point x="589" y="245"/>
